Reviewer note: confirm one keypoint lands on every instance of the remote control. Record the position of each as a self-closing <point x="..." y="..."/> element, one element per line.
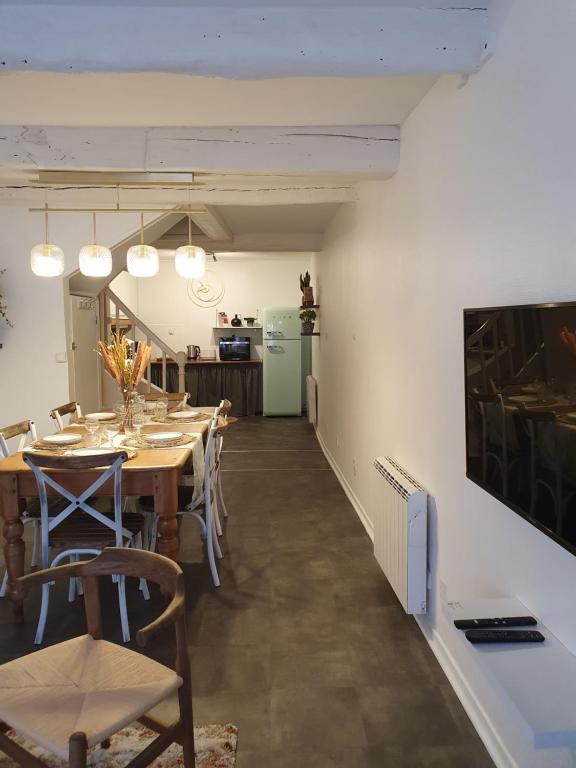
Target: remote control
<point x="504" y="636"/>
<point x="506" y="621"/>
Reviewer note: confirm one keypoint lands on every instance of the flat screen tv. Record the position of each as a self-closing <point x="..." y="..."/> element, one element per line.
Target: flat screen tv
<point x="520" y="369"/>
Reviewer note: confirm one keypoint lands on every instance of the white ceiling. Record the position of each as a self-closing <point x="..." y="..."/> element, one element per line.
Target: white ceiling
<point x="250" y="3"/>
<point x="282" y="219"/>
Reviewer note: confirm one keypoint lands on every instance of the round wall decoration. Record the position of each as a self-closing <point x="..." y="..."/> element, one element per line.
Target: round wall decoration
<point x="207" y="291"/>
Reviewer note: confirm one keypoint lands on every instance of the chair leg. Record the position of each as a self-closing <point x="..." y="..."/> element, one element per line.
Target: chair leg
<point x="215" y="541"/>
<point x="34" y="560"/>
<point x="77" y="750"/>
<point x="216" y="516"/>
<point x="123" y="610"/>
<point x="187" y="720"/>
<point x="221" y="504"/>
<point x="43" y="613"/>
<point x="210" y="550"/>
<point x="4" y="587"/>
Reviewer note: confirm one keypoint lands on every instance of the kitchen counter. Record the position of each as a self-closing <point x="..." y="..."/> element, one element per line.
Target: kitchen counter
<point x="210" y="381"/>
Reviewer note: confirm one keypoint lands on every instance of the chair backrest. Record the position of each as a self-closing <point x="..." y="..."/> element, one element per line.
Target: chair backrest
<point x="174" y="398"/>
<point x="211" y="454"/>
<point x="63" y="410"/>
<point x="112" y="468"/>
<point x="137" y="563"/>
<point x="25" y="429"/>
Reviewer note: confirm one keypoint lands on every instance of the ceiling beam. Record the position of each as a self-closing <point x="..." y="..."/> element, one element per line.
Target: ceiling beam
<point x="244" y="42"/>
<point x="212" y="223"/>
<point x="373" y="149"/>
<point x="258" y="241"/>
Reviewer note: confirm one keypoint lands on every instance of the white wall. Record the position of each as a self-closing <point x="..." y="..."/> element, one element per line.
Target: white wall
<point x="251" y="283"/>
<point x="31" y="381"/>
<point x="480" y="214"/>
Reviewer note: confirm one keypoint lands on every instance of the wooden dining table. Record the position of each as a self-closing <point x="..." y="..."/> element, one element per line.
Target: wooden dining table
<point x="151" y="472"/>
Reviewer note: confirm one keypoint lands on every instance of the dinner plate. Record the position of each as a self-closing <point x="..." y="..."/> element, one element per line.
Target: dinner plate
<point x="92" y="451"/>
<point x="161" y="437"/>
<point x="184" y="415"/>
<point x="101" y="415"/>
<point x="63" y="438"/>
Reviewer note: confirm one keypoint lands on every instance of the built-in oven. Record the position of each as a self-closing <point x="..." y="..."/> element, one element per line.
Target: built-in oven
<point x="234" y="347"/>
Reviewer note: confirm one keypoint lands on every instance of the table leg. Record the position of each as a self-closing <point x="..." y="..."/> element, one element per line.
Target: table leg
<point x="14" y="547"/>
<point x="166" y="506"/>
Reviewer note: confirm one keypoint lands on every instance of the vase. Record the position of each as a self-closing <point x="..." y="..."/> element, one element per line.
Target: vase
<point x="128" y="396"/>
<point x="308" y="297"/>
<point x="236" y="322"/>
<point x="307" y="328"/>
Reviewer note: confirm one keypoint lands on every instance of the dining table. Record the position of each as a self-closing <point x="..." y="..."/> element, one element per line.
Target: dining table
<point x="153" y="472"/>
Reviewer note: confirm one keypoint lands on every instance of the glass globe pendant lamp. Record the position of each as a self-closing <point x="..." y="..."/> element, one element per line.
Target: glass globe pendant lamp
<point x="142" y="260"/>
<point x="47" y="260"/>
<point x="190" y="260"/>
<point x="95" y="260"/>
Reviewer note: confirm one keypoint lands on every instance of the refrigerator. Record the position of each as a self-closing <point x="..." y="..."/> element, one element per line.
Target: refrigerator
<point x="282" y="362"/>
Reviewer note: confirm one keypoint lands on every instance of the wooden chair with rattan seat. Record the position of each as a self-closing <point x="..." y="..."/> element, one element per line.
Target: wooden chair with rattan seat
<point x="68" y="409"/>
<point x="76" y="694"/>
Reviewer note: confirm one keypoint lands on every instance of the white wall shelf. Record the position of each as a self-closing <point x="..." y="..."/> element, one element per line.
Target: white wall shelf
<point x="237" y="328"/>
<point x="538" y="679"/>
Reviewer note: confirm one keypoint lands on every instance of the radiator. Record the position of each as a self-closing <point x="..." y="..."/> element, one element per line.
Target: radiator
<point x="400" y="533"/>
<point x="311" y="395"/>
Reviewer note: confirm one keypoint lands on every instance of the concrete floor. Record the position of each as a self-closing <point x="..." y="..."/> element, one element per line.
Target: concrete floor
<point x="304" y="646"/>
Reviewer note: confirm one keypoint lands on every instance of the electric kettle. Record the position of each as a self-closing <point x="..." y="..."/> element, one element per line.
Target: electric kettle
<point x="193" y="351"/>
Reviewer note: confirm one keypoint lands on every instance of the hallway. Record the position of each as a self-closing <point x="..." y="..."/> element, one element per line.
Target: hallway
<point x="304" y="646"/>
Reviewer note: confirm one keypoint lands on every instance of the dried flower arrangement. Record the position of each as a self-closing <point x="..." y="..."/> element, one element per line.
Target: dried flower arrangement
<point x="4" y="306"/>
<point x="124" y="367"/>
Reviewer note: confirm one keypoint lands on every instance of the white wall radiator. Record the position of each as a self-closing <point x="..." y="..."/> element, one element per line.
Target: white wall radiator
<point x="400" y="533"/>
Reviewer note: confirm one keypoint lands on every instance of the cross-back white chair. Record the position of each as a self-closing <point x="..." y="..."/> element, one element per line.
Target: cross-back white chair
<point x="175" y="399"/>
<point x="26" y="431"/>
<point x="68" y="532"/>
<point x="58" y="413"/>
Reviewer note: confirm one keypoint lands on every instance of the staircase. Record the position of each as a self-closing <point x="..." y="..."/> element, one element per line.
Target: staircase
<point x="114" y="314"/>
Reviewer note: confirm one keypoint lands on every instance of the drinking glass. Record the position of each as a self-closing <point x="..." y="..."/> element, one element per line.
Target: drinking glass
<point x="161" y="408"/>
<point x="92" y="426"/>
<point x="111" y="432"/>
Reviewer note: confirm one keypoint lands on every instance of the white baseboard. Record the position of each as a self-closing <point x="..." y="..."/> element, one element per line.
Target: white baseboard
<point x="475" y="711"/>
<point x="477" y="714"/>
<point x="354" y="500"/>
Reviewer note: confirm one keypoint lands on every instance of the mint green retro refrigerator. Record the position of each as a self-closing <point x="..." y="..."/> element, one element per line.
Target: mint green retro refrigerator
<point x="282" y="362"/>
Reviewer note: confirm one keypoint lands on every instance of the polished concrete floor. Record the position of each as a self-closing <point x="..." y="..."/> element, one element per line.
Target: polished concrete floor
<point x="304" y="646"/>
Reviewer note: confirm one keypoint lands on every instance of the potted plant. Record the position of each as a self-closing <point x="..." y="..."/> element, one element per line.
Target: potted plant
<point x="307" y="290"/>
<point x="307" y="316"/>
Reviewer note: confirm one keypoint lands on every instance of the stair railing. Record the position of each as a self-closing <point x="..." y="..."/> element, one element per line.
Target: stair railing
<point x="139" y="331"/>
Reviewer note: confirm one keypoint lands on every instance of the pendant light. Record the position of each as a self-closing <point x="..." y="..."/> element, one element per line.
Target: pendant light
<point x="142" y="260"/>
<point x="190" y="260"/>
<point x="47" y="260"/>
<point x="95" y="260"/>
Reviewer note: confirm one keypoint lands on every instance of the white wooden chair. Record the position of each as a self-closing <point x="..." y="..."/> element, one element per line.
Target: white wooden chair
<point x="72" y="409"/>
<point x="26" y="431"/>
<point x="176" y="400"/>
<point x="69" y="532"/>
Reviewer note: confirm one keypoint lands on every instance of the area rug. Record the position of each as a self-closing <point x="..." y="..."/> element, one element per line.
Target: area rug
<point x="215" y="748"/>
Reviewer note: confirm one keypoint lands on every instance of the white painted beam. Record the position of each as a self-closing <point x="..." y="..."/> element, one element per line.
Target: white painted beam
<point x="313" y="149"/>
<point x="212" y="223"/>
<point x="257" y="241"/>
<point x="285" y="191"/>
<point x="241" y="42"/>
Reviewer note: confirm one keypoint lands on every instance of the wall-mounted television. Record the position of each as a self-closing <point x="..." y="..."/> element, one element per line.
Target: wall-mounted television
<point x="520" y="369"/>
